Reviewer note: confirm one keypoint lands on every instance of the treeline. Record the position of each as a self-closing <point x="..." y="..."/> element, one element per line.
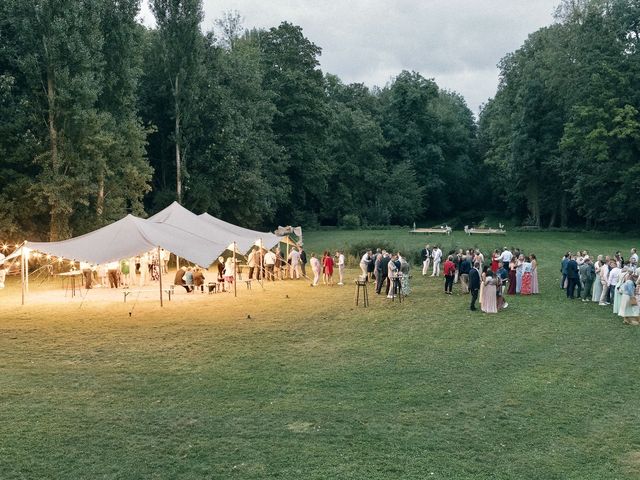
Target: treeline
<point x="101" y="116"/>
<point x="562" y="135"/>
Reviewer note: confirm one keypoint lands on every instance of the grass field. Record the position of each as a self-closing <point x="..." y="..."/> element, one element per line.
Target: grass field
<point x="312" y="387"/>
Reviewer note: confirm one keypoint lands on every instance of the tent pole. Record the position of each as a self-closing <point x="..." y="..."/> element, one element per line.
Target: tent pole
<point x="22" y="272"/>
<point x="235" y="269"/>
<point x="160" y="276"/>
<point x="26" y="268"/>
<point x="177" y="262"/>
<point x="286" y="262"/>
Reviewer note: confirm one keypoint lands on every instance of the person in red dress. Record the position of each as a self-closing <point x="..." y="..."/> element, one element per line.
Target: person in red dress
<point x="327" y="263"/>
<point x="512" y="277"/>
<point x="495" y="260"/>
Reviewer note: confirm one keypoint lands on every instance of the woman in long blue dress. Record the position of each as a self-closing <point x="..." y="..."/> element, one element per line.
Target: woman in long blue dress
<point x="519" y="273"/>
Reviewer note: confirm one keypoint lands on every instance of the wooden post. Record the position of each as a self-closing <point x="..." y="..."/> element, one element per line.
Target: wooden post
<point x="177" y="262"/>
<point x="160" y="265"/>
<point x="235" y="269"/>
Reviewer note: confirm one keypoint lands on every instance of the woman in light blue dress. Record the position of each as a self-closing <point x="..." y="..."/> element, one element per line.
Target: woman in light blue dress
<point x="519" y="273"/>
<point x="628" y="311"/>
<point x="597" y="286"/>
<point x="618" y="291"/>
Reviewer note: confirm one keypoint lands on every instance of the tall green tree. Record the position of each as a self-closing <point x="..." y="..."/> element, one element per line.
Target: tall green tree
<point x="297" y="84"/>
<point x="180" y="47"/>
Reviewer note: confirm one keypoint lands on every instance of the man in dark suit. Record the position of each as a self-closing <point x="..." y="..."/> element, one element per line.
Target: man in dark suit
<point x="573" y="276"/>
<point x="474" y="285"/>
<point x="383" y="271"/>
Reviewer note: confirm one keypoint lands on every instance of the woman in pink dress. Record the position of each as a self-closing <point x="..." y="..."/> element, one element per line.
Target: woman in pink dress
<point x="535" y="289"/>
<point x="327" y="263"/>
<point x="489" y="304"/>
<point x="526" y="287"/>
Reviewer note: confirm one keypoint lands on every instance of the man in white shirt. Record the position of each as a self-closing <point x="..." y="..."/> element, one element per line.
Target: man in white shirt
<point x="364" y="263"/>
<point x="505" y="257"/>
<point x="294" y="263"/>
<point x="269" y="262"/>
<point x="113" y="269"/>
<point x="634" y="258"/>
<point x="612" y="281"/>
<point x="437" y="258"/>
<point x="340" y="257"/>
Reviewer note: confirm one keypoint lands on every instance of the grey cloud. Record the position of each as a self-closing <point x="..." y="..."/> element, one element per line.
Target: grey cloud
<point x="457" y="42"/>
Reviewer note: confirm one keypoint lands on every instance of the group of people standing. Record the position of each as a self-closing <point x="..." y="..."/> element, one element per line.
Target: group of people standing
<point x="610" y="280"/>
<point x="390" y="271"/>
<point x="126" y="273"/>
<point x="509" y="272"/>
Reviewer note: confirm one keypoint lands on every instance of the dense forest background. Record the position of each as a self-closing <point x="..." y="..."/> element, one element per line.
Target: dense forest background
<point x="101" y="116"/>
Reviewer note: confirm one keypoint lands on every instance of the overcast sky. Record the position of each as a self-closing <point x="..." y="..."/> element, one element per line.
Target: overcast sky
<point x="456" y="42"/>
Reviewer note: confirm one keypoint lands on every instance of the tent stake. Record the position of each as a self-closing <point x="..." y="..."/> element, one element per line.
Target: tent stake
<point x="160" y="276"/>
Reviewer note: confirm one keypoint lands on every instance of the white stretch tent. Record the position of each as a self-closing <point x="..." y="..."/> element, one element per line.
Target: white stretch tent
<point x="132" y="236"/>
<point x="179" y="217"/>
<point x="252" y="237"/>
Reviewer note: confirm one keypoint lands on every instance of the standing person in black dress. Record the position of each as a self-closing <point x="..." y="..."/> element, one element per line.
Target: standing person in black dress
<point x="303" y="262"/>
<point x="474" y="285"/>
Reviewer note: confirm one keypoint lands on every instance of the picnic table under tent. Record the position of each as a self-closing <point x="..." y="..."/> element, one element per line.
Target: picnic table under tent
<point x="128" y="237"/>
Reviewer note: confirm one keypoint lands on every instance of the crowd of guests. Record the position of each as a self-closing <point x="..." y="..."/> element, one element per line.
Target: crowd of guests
<point x="607" y="281"/>
<point x="487" y="279"/>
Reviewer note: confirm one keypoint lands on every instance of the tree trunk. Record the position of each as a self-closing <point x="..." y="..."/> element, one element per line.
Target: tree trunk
<point x="100" y="200"/>
<point x="563" y="210"/>
<point x="177" y="133"/>
<point x="554" y="215"/>
<point x="59" y="224"/>
<point x="533" y="198"/>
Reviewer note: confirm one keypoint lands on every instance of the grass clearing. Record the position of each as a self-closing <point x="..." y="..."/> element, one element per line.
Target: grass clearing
<point x="313" y="387"/>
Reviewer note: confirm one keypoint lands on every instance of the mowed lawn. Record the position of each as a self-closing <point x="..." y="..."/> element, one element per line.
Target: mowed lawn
<point x="313" y="387"/>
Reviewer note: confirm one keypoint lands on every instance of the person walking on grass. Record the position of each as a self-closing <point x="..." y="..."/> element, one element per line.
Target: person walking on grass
<point x="449" y="274"/>
<point x="474" y="285"/>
